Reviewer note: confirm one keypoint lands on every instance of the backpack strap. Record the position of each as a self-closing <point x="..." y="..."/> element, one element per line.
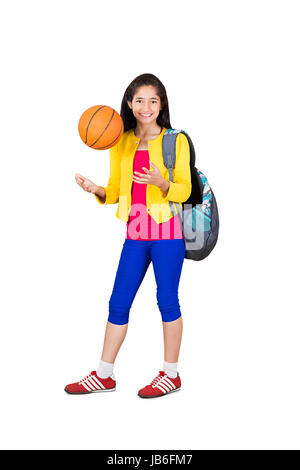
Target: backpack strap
<point x="169" y="154"/>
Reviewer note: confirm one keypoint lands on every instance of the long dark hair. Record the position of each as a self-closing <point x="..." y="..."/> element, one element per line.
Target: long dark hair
<point x="163" y="119"/>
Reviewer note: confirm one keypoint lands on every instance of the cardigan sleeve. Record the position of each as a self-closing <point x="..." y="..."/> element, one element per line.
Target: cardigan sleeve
<point x="181" y="186"/>
<point x="113" y="187"/>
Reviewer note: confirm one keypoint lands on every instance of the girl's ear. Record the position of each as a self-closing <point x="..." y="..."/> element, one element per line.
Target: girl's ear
<point x="129" y="104"/>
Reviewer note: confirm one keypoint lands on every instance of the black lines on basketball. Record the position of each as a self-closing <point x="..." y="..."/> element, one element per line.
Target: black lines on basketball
<point x="112" y="143"/>
<point x="107" y="126"/>
<point x="87" y="127"/>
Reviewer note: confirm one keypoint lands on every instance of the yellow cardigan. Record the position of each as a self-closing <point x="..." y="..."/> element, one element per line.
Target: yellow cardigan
<point x="120" y="181"/>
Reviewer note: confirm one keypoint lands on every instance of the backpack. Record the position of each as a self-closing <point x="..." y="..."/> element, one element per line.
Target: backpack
<point x="199" y="215"/>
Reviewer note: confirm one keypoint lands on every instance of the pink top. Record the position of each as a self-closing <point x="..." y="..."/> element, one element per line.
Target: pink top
<point x="140" y="224"/>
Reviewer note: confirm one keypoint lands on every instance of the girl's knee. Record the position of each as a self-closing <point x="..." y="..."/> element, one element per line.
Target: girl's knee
<point x="168" y="304"/>
<point x="118" y="314"/>
<point x="170" y="316"/>
<point x="118" y="317"/>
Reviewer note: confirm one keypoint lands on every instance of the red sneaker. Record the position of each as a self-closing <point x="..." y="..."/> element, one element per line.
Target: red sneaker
<point x="92" y="383"/>
<point x="161" y="385"/>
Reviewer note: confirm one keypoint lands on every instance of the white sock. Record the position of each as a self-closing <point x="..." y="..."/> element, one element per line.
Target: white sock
<point x="170" y="368"/>
<point x="105" y="369"/>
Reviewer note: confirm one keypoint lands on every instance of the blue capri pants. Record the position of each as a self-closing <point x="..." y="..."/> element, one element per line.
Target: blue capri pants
<point x="167" y="257"/>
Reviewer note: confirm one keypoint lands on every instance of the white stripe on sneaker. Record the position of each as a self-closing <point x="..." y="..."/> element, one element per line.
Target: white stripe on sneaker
<point x="164" y="386"/>
<point x="92" y="380"/>
<point x="86" y="387"/>
<point x="170" y="386"/>
<point x="170" y="382"/>
<point x="99" y="383"/>
<point x="90" y="384"/>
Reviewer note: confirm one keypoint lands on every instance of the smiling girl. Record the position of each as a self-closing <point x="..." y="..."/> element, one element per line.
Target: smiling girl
<point x="139" y="182"/>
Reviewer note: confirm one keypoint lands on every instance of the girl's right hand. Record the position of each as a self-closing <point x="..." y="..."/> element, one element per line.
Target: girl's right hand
<point x="86" y="184"/>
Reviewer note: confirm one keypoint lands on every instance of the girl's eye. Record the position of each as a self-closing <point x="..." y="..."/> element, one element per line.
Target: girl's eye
<point x="138" y="101"/>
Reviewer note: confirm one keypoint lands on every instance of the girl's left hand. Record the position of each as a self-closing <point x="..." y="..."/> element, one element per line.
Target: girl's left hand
<point x="149" y="177"/>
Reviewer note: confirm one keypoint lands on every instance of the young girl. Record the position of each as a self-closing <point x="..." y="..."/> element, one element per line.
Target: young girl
<point x="139" y="182"/>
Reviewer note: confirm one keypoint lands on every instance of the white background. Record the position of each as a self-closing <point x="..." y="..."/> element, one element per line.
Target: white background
<point x="231" y="70"/>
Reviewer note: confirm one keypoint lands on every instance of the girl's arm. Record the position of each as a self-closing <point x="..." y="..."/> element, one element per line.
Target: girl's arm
<point x="181" y="186"/>
<point x="101" y="193"/>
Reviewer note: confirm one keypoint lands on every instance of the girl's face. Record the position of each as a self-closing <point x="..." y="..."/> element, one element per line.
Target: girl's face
<point x="145" y="105"/>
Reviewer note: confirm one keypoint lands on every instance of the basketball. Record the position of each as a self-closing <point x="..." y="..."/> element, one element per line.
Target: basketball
<point x="100" y="127"/>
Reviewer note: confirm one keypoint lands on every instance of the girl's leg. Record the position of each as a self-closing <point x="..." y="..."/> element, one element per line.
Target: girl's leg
<point x="134" y="262"/>
<point x="167" y="258"/>
<point x="172" y="339"/>
<point x="114" y="337"/>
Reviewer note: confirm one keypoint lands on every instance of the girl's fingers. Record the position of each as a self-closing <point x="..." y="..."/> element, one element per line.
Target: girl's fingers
<point x="142" y="174"/>
<point x="138" y="177"/>
<point x="83" y="184"/>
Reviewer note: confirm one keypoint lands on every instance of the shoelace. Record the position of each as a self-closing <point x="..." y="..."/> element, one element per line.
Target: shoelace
<point x="157" y="379"/>
<point x="85" y="378"/>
